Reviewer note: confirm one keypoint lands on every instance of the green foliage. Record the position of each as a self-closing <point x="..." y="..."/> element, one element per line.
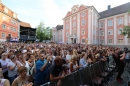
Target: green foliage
<point x="126" y="31"/>
<point x="43" y="33"/>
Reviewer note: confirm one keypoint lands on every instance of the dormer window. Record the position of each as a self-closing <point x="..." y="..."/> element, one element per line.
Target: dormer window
<point x="14" y="15"/>
<point x="5" y="10"/>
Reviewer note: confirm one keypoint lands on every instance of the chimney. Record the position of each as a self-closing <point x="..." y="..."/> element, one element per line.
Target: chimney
<point x="109" y="7"/>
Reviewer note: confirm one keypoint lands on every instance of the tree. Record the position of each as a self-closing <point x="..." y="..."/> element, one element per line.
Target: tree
<point x="43" y="33"/>
<point x="126" y="30"/>
<point x="40" y="31"/>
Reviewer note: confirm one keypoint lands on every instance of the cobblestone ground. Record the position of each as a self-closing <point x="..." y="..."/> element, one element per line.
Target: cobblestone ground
<point x="125" y="76"/>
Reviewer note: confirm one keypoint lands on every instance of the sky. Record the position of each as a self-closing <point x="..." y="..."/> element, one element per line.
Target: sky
<point x="51" y="12"/>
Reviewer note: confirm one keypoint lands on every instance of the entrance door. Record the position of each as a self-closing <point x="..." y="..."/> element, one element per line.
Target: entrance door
<point x="75" y="41"/>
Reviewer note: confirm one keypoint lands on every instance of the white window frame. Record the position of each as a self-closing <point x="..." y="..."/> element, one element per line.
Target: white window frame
<point x="120" y="20"/>
<point x="82" y="40"/>
<point x="67" y="26"/>
<point x="15" y="29"/>
<point x="101" y="24"/>
<point x="74" y="17"/>
<point x="83" y="14"/>
<point x="83" y="32"/>
<point x="101" y="34"/>
<point x="119" y="32"/>
<point x="110" y="22"/>
<point x="74" y="24"/>
<point x="111" y="32"/>
<point x="83" y="22"/>
<point x="14" y="15"/>
<point x="4" y="18"/>
<point x="110" y="41"/>
<point x="4" y="35"/>
<point x="67" y="34"/>
<point x="101" y="41"/>
<point x="120" y="40"/>
<point x="6" y="10"/>
<point x="4" y="27"/>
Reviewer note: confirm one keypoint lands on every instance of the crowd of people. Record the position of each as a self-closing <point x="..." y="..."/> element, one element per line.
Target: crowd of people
<point x="34" y="64"/>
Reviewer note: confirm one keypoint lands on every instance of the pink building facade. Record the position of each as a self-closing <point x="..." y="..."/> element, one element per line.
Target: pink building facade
<point x="80" y="25"/>
<point x="85" y="25"/>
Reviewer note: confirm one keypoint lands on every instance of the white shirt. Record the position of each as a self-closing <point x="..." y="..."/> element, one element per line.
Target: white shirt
<point x="27" y="66"/>
<point x="13" y="72"/>
<point x="4" y="64"/>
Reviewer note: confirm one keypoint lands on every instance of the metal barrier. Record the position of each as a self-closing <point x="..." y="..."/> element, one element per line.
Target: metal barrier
<point x="86" y="76"/>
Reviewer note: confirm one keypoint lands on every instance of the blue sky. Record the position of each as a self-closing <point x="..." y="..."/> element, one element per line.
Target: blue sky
<point x="51" y="12"/>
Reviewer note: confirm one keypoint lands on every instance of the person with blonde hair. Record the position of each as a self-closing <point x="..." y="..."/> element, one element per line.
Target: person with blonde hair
<point x="83" y="61"/>
<point x="73" y="64"/>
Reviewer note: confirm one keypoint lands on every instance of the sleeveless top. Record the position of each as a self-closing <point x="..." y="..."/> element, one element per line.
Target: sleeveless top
<point x="74" y="67"/>
<point x="21" y="83"/>
<point x="2" y="82"/>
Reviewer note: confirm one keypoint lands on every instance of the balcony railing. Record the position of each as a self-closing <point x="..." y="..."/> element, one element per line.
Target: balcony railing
<point x="73" y="35"/>
<point x="26" y="37"/>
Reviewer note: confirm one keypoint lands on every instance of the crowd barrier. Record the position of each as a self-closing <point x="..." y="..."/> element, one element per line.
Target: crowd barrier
<point x="91" y="75"/>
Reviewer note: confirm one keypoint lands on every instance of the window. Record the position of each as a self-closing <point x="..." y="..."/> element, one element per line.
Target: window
<point x="110" y="41"/>
<point x="14" y="29"/>
<point x="66" y="20"/>
<point x="110" y="32"/>
<point x="4" y="18"/>
<point x="3" y="26"/>
<point x="11" y="28"/>
<point x="102" y="33"/>
<point x="120" y="21"/>
<point x="83" y="40"/>
<point x="94" y="31"/>
<point x="83" y="14"/>
<point x="101" y="41"/>
<point x="83" y="32"/>
<point x="12" y="21"/>
<point x="74" y="32"/>
<point x="3" y="35"/>
<point x="83" y="21"/>
<point x="101" y="24"/>
<point x="6" y="10"/>
<point x="66" y="26"/>
<point x="14" y="15"/>
<point x="120" y="41"/>
<point x="74" y="24"/>
<point x="119" y="31"/>
<point x="67" y="34"/>
<point x="110" y="23"/>
<point x="74" y="17"/>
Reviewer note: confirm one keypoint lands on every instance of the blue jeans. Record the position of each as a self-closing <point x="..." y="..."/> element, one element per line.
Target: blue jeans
<point x="11" y="79"/>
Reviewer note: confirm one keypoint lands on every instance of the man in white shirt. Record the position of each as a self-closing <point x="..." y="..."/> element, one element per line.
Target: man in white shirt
<point x="68" y="57"/>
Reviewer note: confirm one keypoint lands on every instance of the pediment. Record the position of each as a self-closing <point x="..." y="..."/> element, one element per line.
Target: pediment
<point x="74" y="8"/>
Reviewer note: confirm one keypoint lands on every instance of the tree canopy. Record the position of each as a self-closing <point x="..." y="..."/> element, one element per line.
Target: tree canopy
<point x="126" y="30"/>
<point x="43" y="33"/>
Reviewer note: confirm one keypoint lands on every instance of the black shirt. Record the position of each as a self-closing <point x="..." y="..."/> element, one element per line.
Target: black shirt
<point x="56" y="70"/>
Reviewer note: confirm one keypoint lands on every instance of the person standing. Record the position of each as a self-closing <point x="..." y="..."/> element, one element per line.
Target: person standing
<point x="42" y="69"/>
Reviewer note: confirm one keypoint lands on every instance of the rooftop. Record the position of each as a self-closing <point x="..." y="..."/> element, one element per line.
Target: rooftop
<point x="116" y="10"/>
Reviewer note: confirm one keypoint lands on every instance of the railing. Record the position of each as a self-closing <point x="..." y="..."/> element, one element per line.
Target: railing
<point x="27" y="37"/>
<point x="83" y="77"/>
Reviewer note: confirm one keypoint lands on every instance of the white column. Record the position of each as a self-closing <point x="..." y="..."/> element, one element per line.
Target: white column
<point x="70" y="26"/>
<point x="63" y="32"/>
<point x="115" y="31"/>
<point x="78" y="27"/>
<point x="126" y="23"/>
<point x="89" y="20"/>
<point x="92" y="26"/>
<point x="106" y="32"/>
